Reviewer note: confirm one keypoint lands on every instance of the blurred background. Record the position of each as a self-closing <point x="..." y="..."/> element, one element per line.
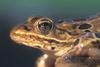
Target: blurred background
<point x="14" y="12"/>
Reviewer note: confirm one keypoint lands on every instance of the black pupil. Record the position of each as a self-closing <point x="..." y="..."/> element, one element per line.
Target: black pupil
<point x="45" y="27"/>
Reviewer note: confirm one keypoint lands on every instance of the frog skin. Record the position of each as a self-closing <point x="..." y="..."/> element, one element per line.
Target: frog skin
<point x="58" y="40"/>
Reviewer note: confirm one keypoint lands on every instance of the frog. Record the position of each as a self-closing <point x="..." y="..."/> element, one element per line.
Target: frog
<point x="64" y="44"/>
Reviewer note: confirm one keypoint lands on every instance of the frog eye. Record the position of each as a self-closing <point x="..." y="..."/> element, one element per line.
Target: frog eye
<point x="45" y="25"/>
<point x="85" y="26"/>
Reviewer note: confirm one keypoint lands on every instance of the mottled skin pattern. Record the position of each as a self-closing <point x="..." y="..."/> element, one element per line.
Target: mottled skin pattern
<point x="65" y="44"/>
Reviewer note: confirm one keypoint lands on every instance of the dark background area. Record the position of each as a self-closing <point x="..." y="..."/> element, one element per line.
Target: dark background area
<point x="14" y="12"/>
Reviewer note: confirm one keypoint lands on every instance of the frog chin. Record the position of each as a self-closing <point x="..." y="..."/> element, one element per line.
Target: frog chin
<point x="56" y="53"/>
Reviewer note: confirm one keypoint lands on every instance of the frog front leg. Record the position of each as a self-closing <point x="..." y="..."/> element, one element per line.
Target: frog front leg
<point x="46" y="60"/>
<point x="72" y="59"/>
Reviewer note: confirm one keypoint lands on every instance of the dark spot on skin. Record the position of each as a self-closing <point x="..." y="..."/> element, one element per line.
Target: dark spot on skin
<point x="76" y="41"/>
<point x="97" y="34"/>
<point x="85" y="26"/>
<point x="96" y="44"/>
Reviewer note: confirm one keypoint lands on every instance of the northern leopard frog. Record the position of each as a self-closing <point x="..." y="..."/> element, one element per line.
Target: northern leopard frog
<point x="58" y="39"/>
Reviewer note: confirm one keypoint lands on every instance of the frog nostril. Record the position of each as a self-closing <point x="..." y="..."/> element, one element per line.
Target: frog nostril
<point x="26" y="28"/>
<point x="85" y="26"/>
